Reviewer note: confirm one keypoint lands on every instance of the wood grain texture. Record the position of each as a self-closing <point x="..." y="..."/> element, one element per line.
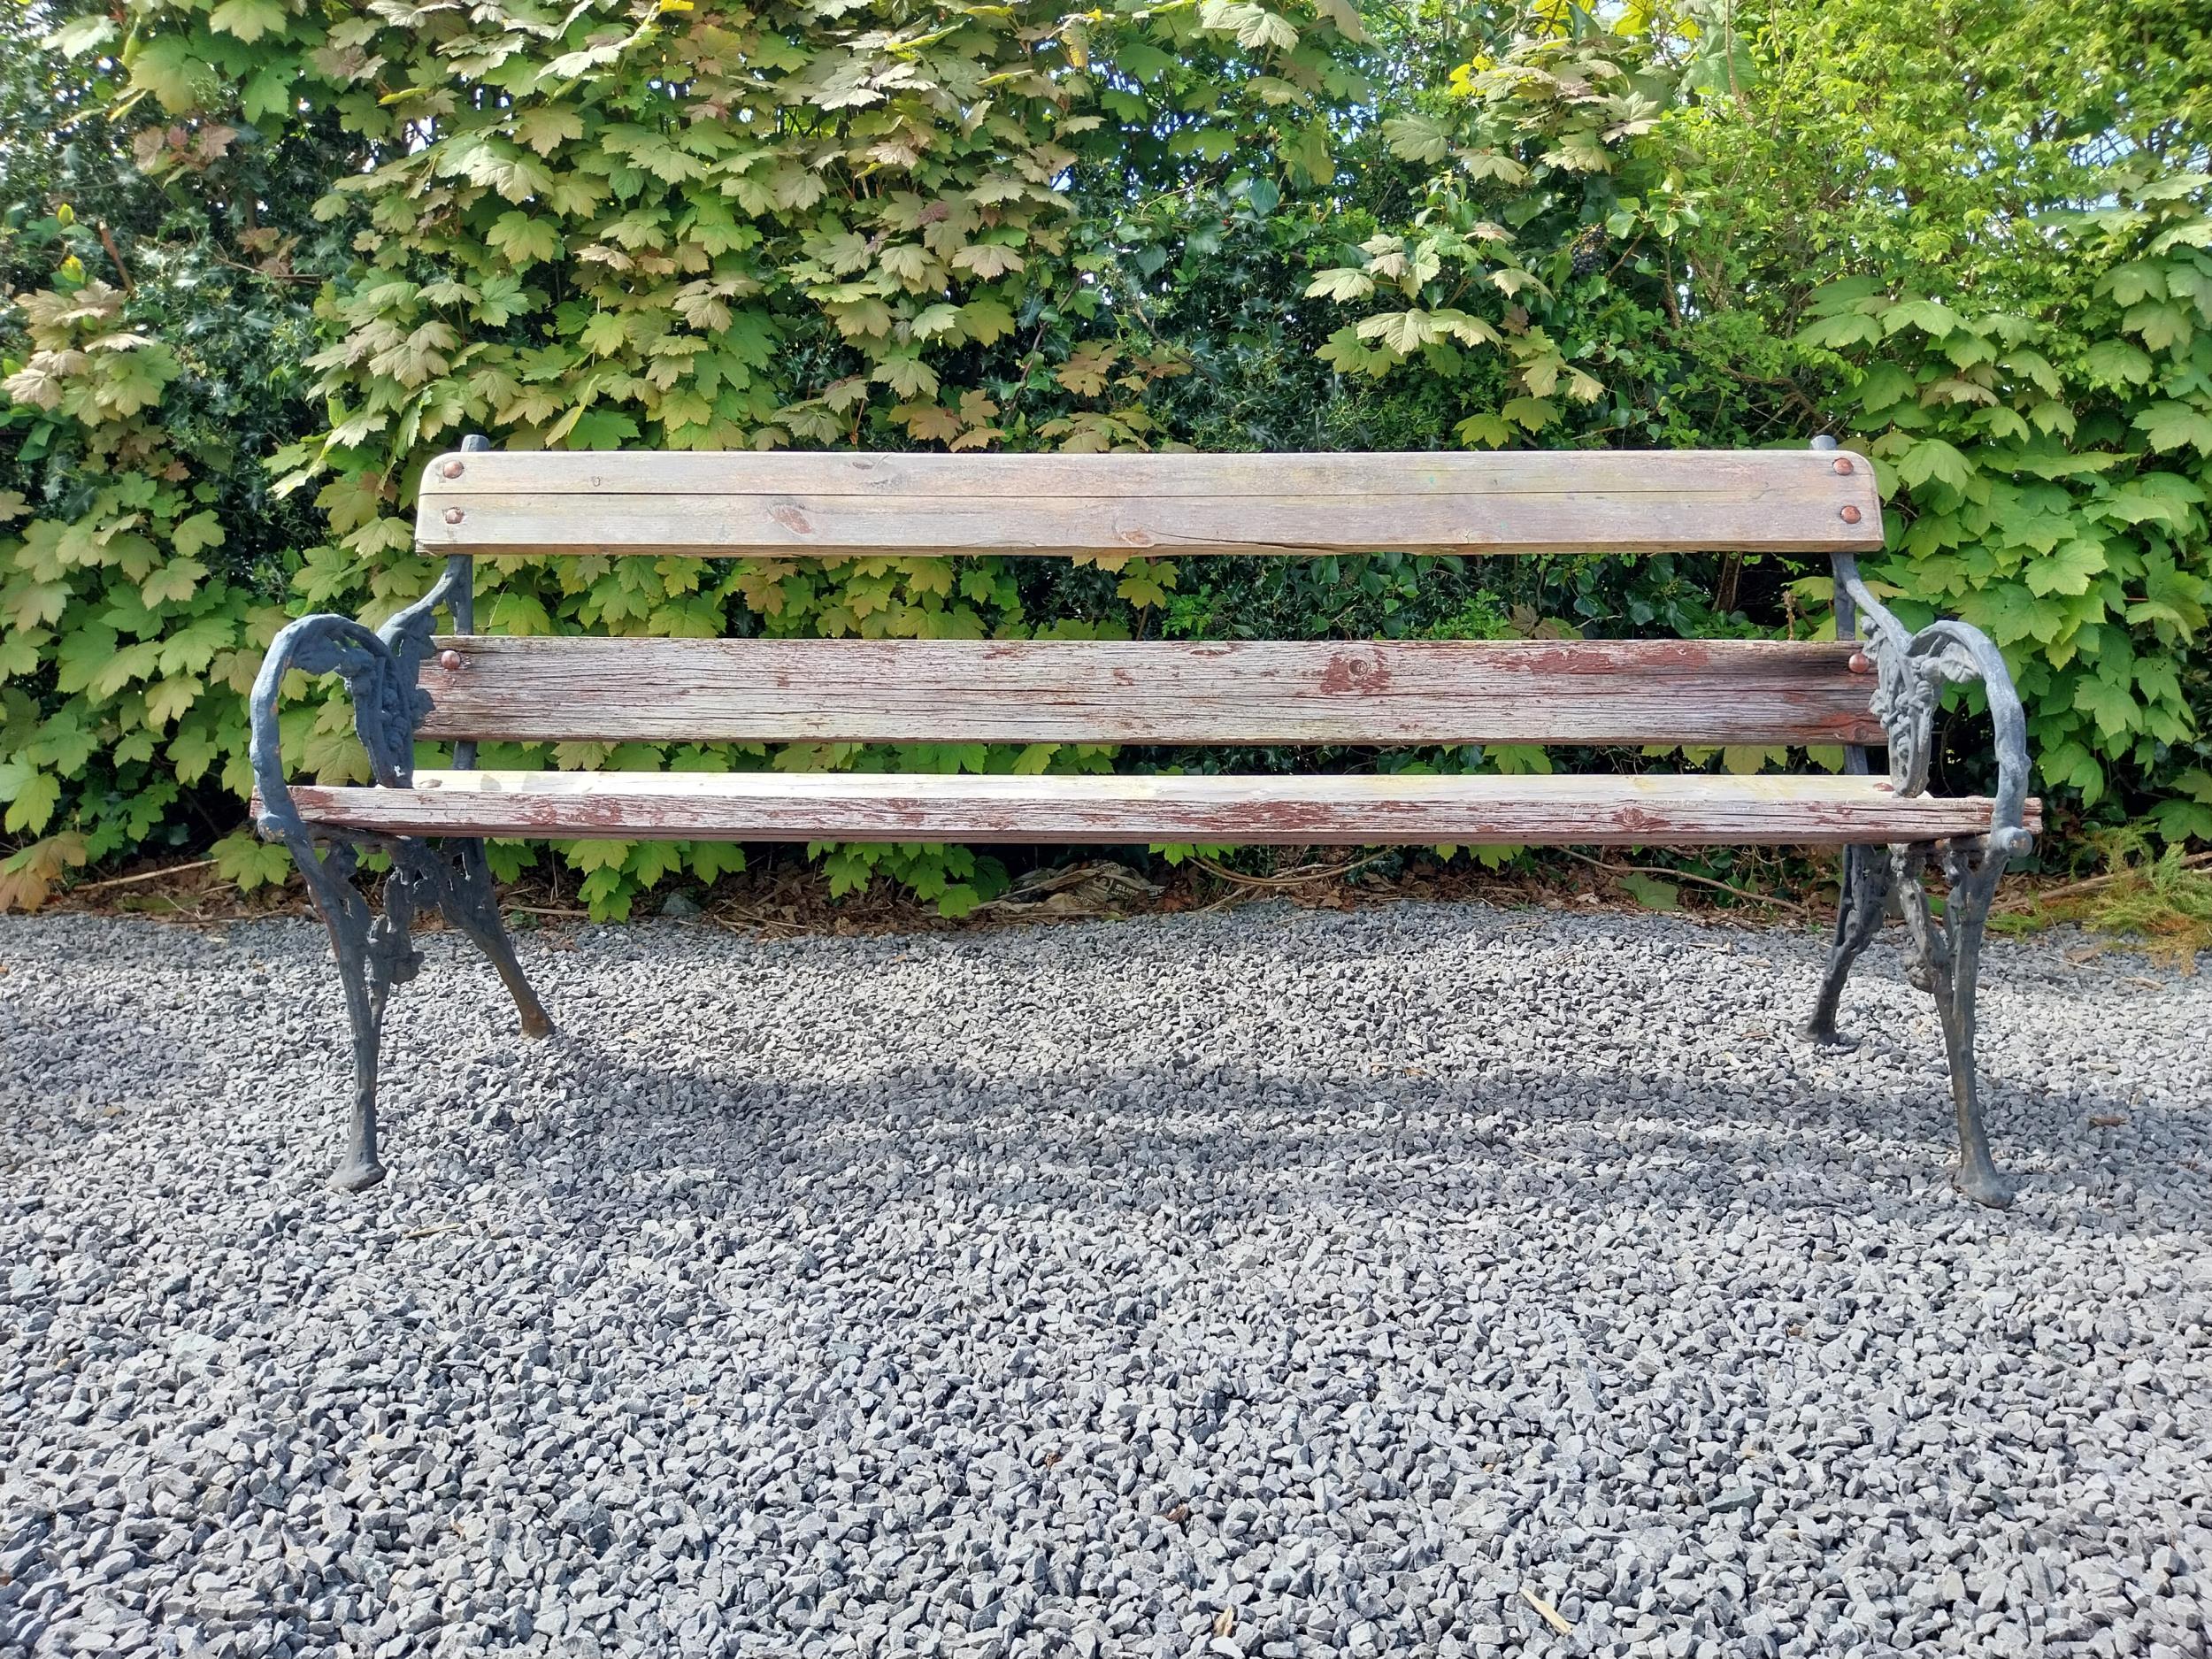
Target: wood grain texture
<point x="1354" y="811"/>
<point x="785" y="505"/>
<point x="1167" y="692"/>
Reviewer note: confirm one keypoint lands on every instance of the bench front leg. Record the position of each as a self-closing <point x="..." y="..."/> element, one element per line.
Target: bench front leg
<point x="1946" y="963"/>
<point x="1911" y="670"/>
<point x="375" y="953"/>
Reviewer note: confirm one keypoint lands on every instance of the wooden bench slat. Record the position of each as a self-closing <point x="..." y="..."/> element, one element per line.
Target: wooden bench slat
<point x="738" y="503"/>
<point x="1358" y="810"/>
<point x="1392" y="693"/>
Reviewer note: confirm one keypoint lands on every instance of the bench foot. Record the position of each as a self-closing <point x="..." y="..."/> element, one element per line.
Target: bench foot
<point x="1865" y="900"/>
<point x="1946" y="962"/>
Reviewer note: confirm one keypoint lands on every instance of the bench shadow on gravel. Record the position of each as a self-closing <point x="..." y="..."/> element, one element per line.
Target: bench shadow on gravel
<point x="1133" y="1139"/>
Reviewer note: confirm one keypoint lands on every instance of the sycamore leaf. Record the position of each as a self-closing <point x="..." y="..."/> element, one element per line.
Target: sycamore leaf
<point x="2160" y="324"/>
<point x="1933" y="460"/>
<point x="984" y="320"/>
<point x="80" y="35"/>
<point x="174" y="582"/>
<point x="1341" y="283"/>
<point x="2112" y="706"/>
<point x="2116" y="364"/>
<point x="932" y="320"/>
<point x="1932" y="318"/>
<point x="604" y="334"/>
<point x="909" y="376"/>
<point x="1415" y="138"/>
<point x="31" y="800"/>
<point x="246" y="859"/>
<point x="525" y="239"/>
<point x="249" y="19"/>
<point x="166" y="67"/>
<point x="2167" y="425"/>
<point x="2067" y="570"/>
<point x="987" y="259"/>
<point x="197" y="533"/>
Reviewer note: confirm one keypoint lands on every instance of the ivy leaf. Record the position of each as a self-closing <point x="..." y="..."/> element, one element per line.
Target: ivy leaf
<point x="1651" y="893"/>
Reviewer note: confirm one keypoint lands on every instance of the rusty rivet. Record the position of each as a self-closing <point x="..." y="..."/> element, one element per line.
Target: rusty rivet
<point x="450" y="661"/>
<point x="1842" y="464"/>
<point x="452" y="469"/>
<point x="1861" y="663"/>
<point x="454" y="515"/>
<point x="1850" y="515"/>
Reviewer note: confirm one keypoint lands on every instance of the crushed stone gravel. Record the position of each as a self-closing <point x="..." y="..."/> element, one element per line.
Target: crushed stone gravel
<point x="1414" y="1281"/>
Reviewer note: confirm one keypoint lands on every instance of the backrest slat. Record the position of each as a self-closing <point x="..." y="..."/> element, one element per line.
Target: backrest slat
<point x="789" y="504"/>
<point x="1716" y="692"/>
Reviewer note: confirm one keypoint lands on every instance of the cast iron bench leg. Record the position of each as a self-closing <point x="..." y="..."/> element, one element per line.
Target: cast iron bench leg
<point x="376" y="953"/>
<point x="472" y="906"/>
<point x="1947" y="958"/>
<point x="1865" y="900"/>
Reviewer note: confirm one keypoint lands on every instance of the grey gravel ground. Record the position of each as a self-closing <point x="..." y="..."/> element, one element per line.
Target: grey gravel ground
<point x="1274" y="1282"/>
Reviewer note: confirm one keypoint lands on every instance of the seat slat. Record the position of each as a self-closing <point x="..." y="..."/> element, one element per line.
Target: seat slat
<point x="1120" y="808"/>
<point x="1384" y="694"/>
<point x="737" y="503"/>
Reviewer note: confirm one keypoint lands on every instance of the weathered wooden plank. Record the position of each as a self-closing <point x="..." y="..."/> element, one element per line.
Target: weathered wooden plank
<point x="1357" y="810"/>
<point x="1390" y="693"/>
<point x="787" y="505"/>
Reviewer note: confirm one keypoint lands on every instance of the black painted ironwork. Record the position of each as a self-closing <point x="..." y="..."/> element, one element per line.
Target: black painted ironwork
<point x="1911" y="669"/>
<point x="451" y="879"/>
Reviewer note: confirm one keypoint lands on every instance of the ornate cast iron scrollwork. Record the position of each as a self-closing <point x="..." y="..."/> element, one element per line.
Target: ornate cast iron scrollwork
<point x="1911" y="670"/>
<point x="380" y="670"/>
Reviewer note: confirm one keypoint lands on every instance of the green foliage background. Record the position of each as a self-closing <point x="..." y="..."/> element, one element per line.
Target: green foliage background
<point x="268" y="257"/>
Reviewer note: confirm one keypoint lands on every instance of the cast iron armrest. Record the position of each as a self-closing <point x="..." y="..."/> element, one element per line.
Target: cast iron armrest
<point x="380" y="669"/>
<point x="1911" y="669"/>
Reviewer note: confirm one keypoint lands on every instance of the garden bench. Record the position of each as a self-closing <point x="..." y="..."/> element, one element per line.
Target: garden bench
<point x="408" y="686"/>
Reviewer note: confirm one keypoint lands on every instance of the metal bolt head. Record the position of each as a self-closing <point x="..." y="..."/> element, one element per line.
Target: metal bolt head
<point x="449" y="660"/>
<point x="452" y="469"/>
<point x="1842" y="465"/>
<point x="454" y="515"/>
<point x="1861" y="663"/>
<point x="1850" y="515"/>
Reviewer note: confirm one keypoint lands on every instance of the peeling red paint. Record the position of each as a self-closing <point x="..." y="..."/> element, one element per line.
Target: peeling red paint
<point x="1365" y="676"/>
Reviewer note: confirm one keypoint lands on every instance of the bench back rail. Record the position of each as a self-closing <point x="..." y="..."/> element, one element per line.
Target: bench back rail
<point x="795" y="505"/>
